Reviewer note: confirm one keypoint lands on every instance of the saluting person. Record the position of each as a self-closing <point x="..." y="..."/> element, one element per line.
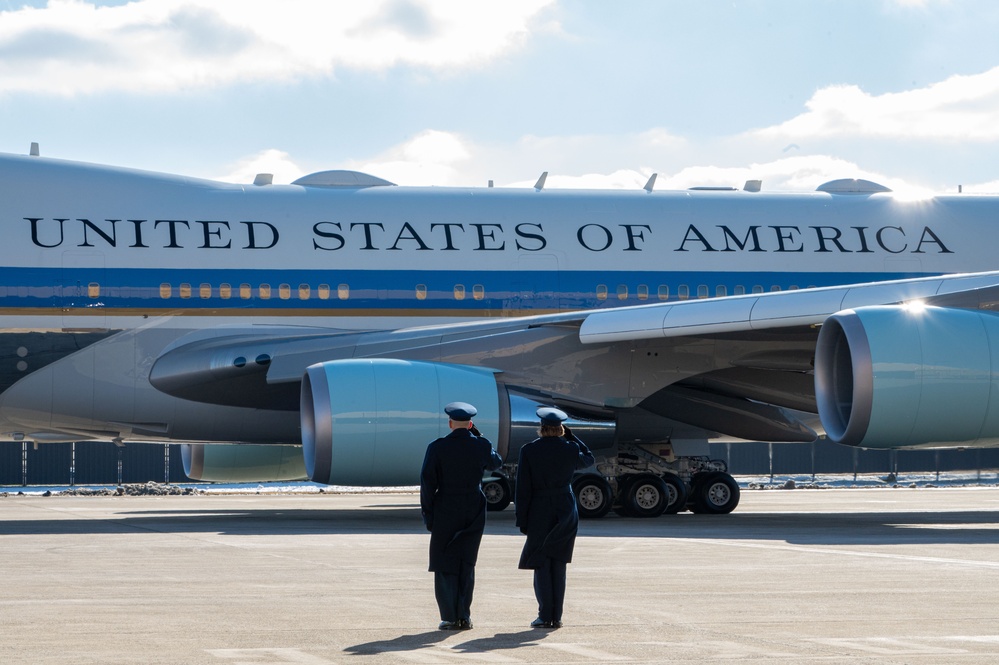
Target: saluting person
<point x="546" y="510"/>
<point x="454" y="511"/>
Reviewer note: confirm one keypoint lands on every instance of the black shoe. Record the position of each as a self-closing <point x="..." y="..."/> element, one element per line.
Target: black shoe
<point x="555" y="625"/>
<point x="540" y="623"/>
<point x="447" y="625"/>
<point x="463" y="624"/>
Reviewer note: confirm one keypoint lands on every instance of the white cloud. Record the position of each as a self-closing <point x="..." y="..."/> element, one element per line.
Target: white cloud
<point x="431" y="158"/>
<point x="72" y="46"/>
<point x="279" y="164"/>
<point x="960" y="108"/>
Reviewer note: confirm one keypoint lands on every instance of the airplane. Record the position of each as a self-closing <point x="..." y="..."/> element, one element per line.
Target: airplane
<point x="315" y="330"/>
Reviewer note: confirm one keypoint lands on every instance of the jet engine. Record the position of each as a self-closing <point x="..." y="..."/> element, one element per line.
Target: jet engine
<point x="242" y="463"/>
<point x="367" y="422"/>
<point x="909" y="376"/>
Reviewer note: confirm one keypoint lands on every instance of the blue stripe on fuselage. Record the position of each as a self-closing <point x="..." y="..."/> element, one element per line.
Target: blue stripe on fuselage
<point x="143" y="289"/>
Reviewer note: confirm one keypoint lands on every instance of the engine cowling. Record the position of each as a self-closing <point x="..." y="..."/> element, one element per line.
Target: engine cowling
<point x="367" y="422"/>
<point x="903" y="377"/>
<point x="242" y="463"/>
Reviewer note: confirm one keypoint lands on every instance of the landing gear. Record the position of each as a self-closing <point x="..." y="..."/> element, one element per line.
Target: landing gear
<point x="498" y="493"/>
<point x="593" y="496"/>
<point x="647" y="481"/>
<point x="646" y="495"/>
<point x="677" y="494"/>
<point x="714" y="493"/>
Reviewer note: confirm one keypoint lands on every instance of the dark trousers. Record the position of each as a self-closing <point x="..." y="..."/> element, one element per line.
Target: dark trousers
<point x="549" y="589"/>
<point x="454" y="593"/>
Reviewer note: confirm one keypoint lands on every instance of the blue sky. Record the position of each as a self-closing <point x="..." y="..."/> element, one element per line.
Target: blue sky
<point x="457" y="92"/>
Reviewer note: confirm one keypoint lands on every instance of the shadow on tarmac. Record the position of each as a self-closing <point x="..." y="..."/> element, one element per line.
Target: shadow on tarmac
<point x="958" y="527"/>
<point x="401" y="643"/>
<point x="421" y="640"/>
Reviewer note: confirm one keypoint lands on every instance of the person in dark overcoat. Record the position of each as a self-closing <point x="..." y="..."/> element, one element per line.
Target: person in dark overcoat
<point x="454" y="511"/>
<point x="546" y="510"/>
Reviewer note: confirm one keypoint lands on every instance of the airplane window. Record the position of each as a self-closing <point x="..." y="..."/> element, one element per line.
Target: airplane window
<point x="284" y="291"/>
<point x="622" y="292"/>
<point x="421" y="291"/>
<point x="683" y="292"/>
<point x="343" y="291"/>
<point x="304" y="292"/>
<point x="165" y="290"/>
<point x="94" y="290"/>
<point x="739" y="290"/>
<point x="775" y="288"/>
<point x="792" y="288"/>
<point x="721" y="291"/>
<point x="225" y="291"/>
<point x="324" y="291"/>
<point x="702" y="291"/>
<point x="642" y="292"/>
<point x="601" y="292"/>
<point x="245" y="291"/>
<point x="264" y="291"/>
<point x="663" y="292"/>
<point x="205" y="291"/>
<point x="459" y="291"/>
<point x="478" y="292"/>
<point x="757" y="289"/>
<point x="185" y="290"/>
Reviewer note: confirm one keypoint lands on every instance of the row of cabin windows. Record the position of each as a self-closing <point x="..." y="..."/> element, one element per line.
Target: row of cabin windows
<point x="342" y="292"/>
<point x="682" y="291"/>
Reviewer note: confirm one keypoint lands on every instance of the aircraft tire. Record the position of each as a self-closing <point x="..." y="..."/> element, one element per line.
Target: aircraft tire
<point x="677" y="497"/>
<point x="647" y="496"/>
<point x="593" y="496"/>
<point x="498" y="494"/>
<point x="714" y="493"/>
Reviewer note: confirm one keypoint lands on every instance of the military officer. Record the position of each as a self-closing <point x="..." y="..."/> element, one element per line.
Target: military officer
<point x="454" y="511"/>
<point x="546" y="510"/>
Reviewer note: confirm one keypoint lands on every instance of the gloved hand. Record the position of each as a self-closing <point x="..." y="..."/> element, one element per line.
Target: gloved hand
<point x="568" y="433"/>
<point x="475" y="431"/>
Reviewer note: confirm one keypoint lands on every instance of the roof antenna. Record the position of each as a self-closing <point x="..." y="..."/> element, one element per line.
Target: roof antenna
<point x="540" y="184"/>
<point x="651" y="183"/>
<point x="34" y="149"/>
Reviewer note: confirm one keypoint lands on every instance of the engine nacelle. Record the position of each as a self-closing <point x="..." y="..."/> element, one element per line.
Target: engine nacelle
<point x="367" y="422"/>
<point x="903" y="376"/>
<point x="242" y="463"/>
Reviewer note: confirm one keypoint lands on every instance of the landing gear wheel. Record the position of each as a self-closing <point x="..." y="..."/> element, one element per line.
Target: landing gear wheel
<point x="677" y="494"/>
<point x="498" y="496"/>
<point x="714" y="493"/>
<point x="646" y="496"/>
<point x="593" y="496"/>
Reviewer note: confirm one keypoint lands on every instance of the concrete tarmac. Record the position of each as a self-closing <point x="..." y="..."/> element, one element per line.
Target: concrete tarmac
<point x="802" y="576"/>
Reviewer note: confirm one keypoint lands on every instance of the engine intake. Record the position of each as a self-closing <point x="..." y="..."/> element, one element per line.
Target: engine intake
<point x="903" y="377"/>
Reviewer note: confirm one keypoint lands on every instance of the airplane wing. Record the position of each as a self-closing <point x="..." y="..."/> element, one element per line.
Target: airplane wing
<point x="783" y="309"/>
